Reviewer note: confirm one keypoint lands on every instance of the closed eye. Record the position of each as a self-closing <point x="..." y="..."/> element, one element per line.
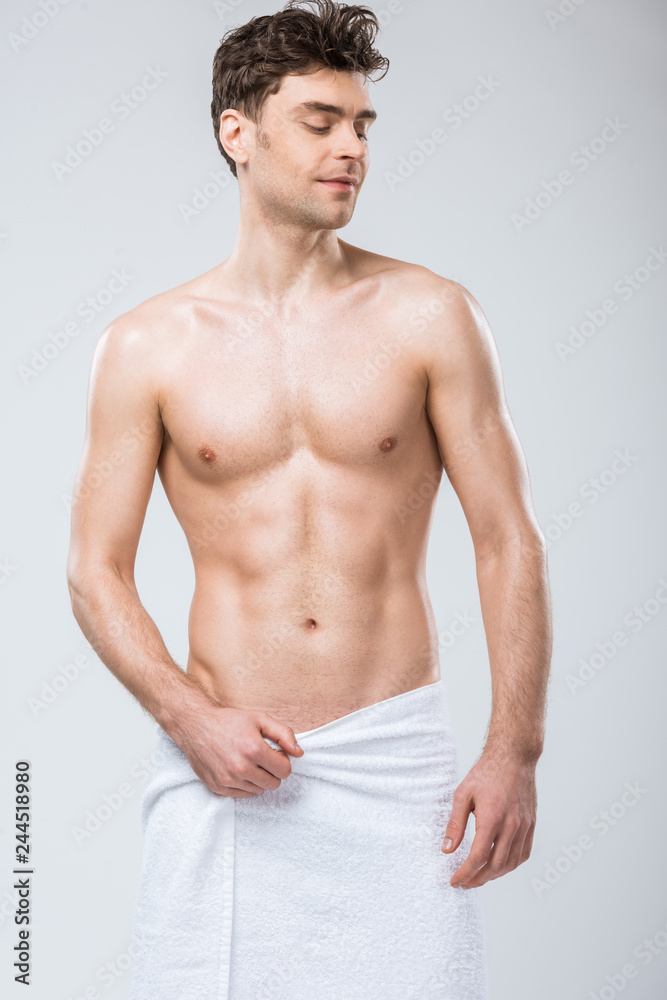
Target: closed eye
<point x="321" y="129"/>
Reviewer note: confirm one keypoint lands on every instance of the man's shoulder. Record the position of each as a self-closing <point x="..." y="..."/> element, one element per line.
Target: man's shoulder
<point x="154" y="322"/>
<point x="437" y="316"/>
<point x="412" y="284"/>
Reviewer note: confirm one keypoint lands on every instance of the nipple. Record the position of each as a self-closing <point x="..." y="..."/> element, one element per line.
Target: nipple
<point x="206" y="454"/>
<point x="386" y="444"/>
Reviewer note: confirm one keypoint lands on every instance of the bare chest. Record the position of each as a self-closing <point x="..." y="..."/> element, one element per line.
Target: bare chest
<point x="246" y="393"/>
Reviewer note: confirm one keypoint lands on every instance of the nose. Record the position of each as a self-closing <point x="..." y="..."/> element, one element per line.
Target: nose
<point x="349" y="145"/>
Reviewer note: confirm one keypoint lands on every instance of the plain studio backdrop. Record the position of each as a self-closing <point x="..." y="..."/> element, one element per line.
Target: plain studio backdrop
<point x="519" y="150"/>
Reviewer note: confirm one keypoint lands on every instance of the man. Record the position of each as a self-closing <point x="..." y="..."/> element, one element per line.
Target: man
<point x="295" y="400"/>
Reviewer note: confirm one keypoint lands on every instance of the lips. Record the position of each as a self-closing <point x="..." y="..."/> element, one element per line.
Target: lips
<point x="344" y="183"/>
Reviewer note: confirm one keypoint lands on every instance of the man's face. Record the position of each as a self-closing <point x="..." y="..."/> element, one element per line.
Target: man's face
<point x="314" y="129"/>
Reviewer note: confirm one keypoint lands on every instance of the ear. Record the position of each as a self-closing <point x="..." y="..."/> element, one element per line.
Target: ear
<point x="233" y="134"/>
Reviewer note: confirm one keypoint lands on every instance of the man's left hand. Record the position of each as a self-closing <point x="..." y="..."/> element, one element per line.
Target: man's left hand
<point x="500" y="790"/>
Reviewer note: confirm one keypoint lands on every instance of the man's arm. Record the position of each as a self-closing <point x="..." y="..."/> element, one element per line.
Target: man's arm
<point x="485" y="464"/>
<point x="114" y="481"/>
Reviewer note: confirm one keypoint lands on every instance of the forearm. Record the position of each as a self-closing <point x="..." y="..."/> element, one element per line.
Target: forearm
<point x="128" y="642"/>
<point x="516" y="610"/>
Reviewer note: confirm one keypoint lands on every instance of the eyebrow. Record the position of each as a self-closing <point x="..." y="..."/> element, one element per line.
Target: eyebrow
<point x="333" y="109"/>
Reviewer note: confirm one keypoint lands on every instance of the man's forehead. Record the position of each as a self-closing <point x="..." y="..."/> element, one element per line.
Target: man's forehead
<point x="339" y="93"/>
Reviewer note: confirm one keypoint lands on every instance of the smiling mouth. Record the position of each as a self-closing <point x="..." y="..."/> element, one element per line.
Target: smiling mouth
<point x="340" y="185"/>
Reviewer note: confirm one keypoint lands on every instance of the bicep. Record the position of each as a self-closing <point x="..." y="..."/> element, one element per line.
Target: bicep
<point x="122" y="444"/>
<point x="478" y="443"/>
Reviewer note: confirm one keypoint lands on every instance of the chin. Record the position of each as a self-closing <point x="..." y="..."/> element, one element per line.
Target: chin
<point x="335" y="220"/>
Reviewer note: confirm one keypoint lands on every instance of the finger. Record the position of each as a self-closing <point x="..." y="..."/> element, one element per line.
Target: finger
<point x="235" y="787"/>
<point x="477" y="856"/>
<point x="236" y="783"/>
<point x="223" y="786"/>
<point x="279" y="733"/>
<point x="239" y="774"/>
<point x="518" y="853"/>
<point x="267" y="779"/>
<point x="234" y="793"/>
<point x="458" y="820"/>
<point x="274" y="763"/>
<point x="496" y="864"/>
<point x="528" y="846"/>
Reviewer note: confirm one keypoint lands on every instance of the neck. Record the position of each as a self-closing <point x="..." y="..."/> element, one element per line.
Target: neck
<point x="281" y="263"/>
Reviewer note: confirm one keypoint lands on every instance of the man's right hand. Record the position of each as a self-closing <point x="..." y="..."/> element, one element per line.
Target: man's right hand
<point x="227" y="751"/>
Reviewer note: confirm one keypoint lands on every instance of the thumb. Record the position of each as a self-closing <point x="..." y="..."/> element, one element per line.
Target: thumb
<point x="280" y="733"/>
<point x="456" y="827"/>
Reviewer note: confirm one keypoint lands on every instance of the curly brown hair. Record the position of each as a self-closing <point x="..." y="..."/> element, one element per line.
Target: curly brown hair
<point x="252" y="59"/>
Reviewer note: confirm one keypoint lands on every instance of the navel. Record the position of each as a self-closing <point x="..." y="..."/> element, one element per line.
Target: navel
<point x="386" y="444"/>
<point x="309" y="623"/>
<point x="206" y="454"/>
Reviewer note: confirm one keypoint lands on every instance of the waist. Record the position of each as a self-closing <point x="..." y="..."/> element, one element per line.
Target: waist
<point x="408" y="735"/>
<point x="308" y="655"/>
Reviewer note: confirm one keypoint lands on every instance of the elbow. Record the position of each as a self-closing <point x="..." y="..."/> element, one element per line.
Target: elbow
<point x="525" y="542"/>
<point x="78" y="582"/>
<point x="91" y="576"/>
<point x="72" y="576"/>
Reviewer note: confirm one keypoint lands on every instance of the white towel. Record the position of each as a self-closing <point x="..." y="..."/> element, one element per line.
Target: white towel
<point x="331" y="887"/>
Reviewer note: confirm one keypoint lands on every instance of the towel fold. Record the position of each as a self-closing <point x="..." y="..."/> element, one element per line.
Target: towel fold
<point x="331" y="887"/>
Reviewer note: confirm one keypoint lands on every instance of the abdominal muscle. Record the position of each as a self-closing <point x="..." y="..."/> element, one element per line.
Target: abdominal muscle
<point x="310" y="628"/>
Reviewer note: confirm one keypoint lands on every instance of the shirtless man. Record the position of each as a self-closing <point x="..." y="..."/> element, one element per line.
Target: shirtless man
<point x="294" y="401"/>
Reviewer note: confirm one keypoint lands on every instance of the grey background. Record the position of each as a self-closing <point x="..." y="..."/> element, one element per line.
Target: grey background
<point x="122" y="208"/>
